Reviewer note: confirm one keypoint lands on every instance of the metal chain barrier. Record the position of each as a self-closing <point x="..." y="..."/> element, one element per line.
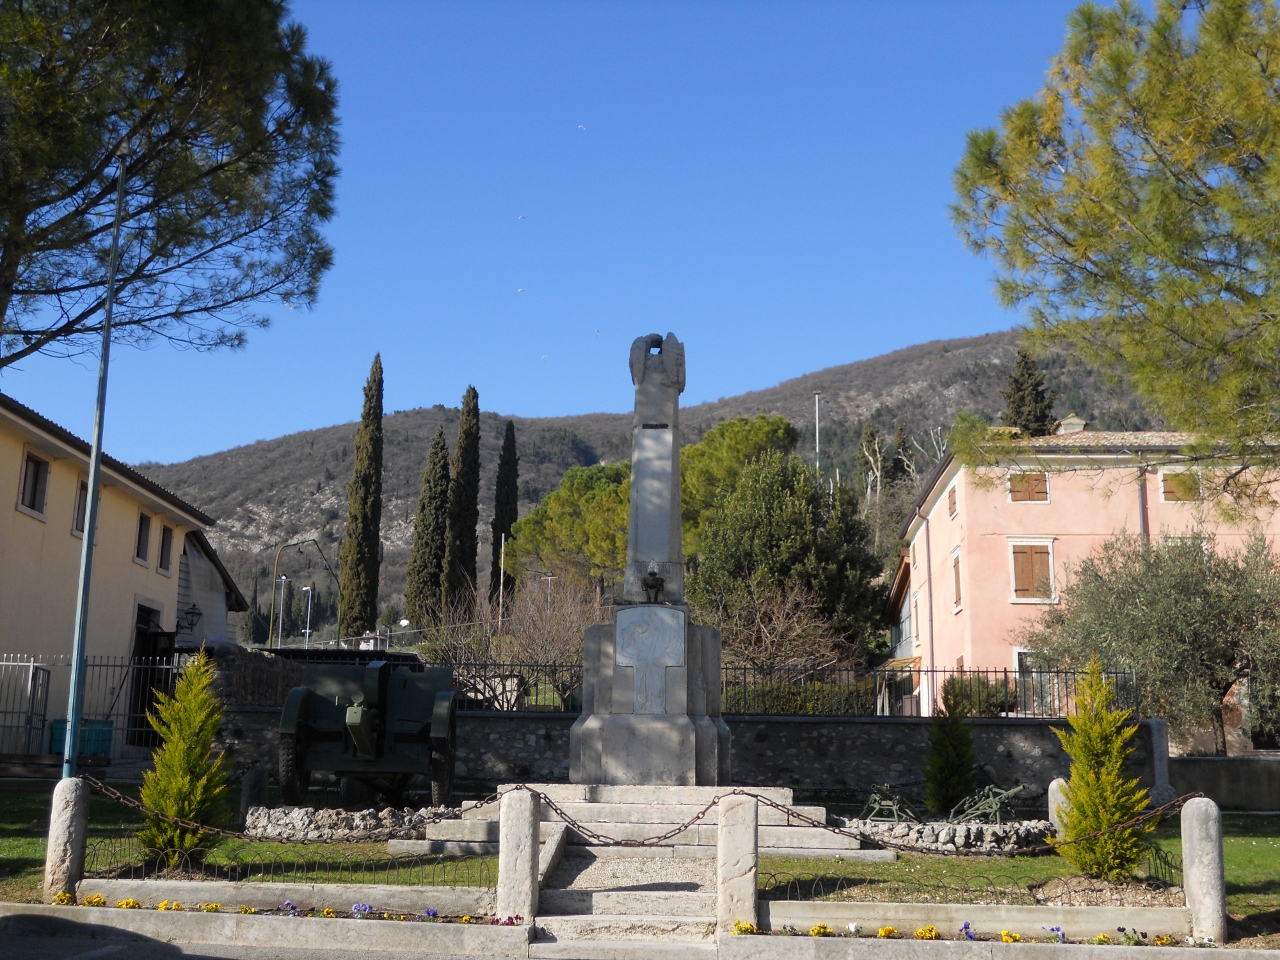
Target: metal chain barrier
<point x="363" y="836"/>
<point x="595" y="837"/>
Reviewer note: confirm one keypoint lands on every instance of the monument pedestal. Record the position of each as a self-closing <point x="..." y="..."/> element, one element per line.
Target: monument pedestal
<point x="650" y="702"/>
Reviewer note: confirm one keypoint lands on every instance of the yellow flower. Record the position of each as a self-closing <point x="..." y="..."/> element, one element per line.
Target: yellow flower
<point x="886" y="933"/>
<point x="740" y="927"/>
<point x="1102" y="939"/>
<point x="928" y="933"/>
<point x="328" y="913"/>
<point x="1008" y="937"/>
<point x="64" y="899"/>
<point x="467" y="919"/>
<point x="245" y="908"/>
<point x="821" y="930"/>
<point x="96" y="900"/>
<point x="170" y="905"/>
<point x="128" y="904"/>
<point x="210" y="907"/>
<point x="1164" y="940"/>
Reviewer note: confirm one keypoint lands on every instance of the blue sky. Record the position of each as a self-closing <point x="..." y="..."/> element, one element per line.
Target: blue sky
<point x="527" y="187"/>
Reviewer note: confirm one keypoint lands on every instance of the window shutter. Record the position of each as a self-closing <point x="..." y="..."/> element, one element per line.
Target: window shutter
<point x="1040" y="583"/>
<point x="951" y="501"/>
<point x="1029" y="487"/>
<point x="955" y="570"/>
<point x="1023" y="577"/>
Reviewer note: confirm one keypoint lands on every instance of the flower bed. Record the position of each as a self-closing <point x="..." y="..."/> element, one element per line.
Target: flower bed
<point x="358" y="911"/>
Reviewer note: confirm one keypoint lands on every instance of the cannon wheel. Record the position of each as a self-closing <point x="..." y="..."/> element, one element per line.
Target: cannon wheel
<point x="443" y="755"/>
<point x="294" y="780"/>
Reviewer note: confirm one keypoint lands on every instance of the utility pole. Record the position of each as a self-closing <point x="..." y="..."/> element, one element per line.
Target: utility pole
<point x="817" y="465"/>
<point x="75" y="698"/>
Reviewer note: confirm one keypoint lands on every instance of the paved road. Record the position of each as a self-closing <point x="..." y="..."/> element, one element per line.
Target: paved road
<point x="59" y="948"/>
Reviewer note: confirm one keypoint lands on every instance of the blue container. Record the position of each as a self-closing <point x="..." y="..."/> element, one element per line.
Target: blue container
<point x="95" y="737"/>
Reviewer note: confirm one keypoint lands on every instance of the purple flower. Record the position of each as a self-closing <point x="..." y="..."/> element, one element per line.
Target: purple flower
<point x="432" y="914"/>
<point x="968" y="931"/>
<point x="361" y="909"/>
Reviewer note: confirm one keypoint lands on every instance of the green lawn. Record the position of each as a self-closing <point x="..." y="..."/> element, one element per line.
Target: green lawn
<point x="1251" y="847"/>
<point x="24" y="824"/>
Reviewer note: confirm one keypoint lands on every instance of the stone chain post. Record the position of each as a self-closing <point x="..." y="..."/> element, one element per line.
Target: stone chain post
<point x="1059" y="807"/>
<point x="518" y="855"/>
<point x="68" y="825"/>
<point x="737" y="861"/>
<point x="1203" y="879"/>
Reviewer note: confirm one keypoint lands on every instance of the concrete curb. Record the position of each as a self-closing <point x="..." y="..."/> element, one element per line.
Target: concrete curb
<point x="109" y="923"/>
<point x="870" y="948"/>
<point x="448" y="901"/>
<point x="1078" y="922"/>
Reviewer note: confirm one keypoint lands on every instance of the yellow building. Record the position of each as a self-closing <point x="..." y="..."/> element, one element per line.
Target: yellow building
<point x="158" y="587"/>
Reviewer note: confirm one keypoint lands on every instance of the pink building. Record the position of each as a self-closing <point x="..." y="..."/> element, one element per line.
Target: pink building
<point x="987" y="547"/>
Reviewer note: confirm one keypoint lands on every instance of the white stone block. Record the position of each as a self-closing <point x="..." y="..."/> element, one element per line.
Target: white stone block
<point x="1058" y="806"/>
<point x="1203" y="878"/>
<point x="68" y="824"/>
<point x="518" y="856"/>
<point x="737" y="862"/>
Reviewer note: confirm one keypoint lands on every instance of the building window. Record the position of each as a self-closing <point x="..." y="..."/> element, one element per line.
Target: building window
<point x="166" y="548"/>
<point x="1180" y="487"/>
<point x="955" y="573"/>
<point x="82" y="507"/>
<point x="1032" y="571"/>
<point x="1029" y="487"/>
<point x="951" y="502"/>
<point x="141" y="549"/>
<point x="35" y="483"/>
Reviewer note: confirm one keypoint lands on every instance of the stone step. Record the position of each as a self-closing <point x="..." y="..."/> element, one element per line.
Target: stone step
<point x="598" y="926"/>
<point x="620" y="950"/>
<point x="611" y="793"/>
<point x="662" y="903"/>
<point x="587" y="812"/>
<point x="486" y="832"/>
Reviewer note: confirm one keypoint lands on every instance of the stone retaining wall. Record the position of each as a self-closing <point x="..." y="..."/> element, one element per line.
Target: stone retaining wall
<point x="307" y="823"/>
<point x="822" y="756"/>
<point x="951" y="837"/>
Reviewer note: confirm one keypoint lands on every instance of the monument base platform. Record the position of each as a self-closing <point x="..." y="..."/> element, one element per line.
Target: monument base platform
<point x="646" y="749"/>
<point x="627" y="813"/>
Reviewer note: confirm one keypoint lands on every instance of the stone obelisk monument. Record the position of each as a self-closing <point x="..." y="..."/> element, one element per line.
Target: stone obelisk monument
<point x="651" y="680"/>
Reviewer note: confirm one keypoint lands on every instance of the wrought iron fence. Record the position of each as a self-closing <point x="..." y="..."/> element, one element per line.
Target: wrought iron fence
<point x="907" y="691"/>
<point x="118" y="693"/>
<point x="511" y="687"/>
<point x="24" y="696"/>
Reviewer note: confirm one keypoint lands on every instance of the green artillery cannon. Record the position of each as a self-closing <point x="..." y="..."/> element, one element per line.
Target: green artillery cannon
<point x="375" y="725"/>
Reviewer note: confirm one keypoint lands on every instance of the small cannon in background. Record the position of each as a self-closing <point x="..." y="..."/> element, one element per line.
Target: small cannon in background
<point x="376" y="725"/>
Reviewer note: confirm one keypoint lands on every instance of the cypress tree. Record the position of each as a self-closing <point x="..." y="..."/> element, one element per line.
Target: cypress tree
<point x="359" y="557"/>
<point x="506" y="509"/>
<point x="423" y="577"/>
<point x="1028" y="403"/>
<point x="249" y="622"/>
<point x="464" y="505"/>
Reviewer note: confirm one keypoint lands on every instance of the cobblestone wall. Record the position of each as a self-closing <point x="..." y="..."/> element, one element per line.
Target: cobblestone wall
<point x="822" y="755"/>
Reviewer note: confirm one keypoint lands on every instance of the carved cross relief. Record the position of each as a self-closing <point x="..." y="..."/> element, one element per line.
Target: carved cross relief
<point x="650" y="639"/>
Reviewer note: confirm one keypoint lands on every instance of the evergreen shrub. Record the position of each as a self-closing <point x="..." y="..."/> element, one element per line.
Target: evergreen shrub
<point x="1099" y="794"/>
<point x="950" y="763"/>
<point x="188" y="779"/>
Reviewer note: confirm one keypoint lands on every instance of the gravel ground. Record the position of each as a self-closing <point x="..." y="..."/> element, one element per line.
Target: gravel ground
<point x="626" y="873"/>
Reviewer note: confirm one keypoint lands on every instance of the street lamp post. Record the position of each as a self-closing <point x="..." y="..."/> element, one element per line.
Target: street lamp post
<point x="280" y="634"/>
<point x="75" y="697"/>
<point x="275" y="569"/>
<point x="306" y="634"/>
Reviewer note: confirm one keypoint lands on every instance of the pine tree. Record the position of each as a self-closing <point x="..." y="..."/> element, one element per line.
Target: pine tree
<point x="949" y="764"/>
<point x="188" y="780"/>
<point x="506" y="510"/>
<point x="464" y="506"/>
<point x="1099" y="794"/>
<point x="1028" y="404"/>
<point x="896" y="469"/>
<point x="249" y="622"/>
<point x="424" y="574"/>
<point x="359" y="557"/>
